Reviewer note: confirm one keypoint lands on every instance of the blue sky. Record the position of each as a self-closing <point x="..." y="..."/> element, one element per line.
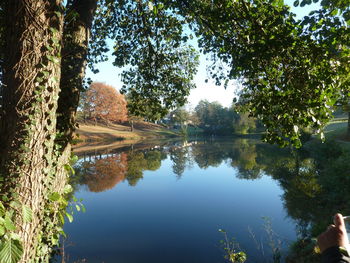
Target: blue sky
<point x="209" y="91"/>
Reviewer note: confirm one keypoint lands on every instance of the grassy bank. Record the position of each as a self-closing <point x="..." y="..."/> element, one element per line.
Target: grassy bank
<point x="89" y="132"/>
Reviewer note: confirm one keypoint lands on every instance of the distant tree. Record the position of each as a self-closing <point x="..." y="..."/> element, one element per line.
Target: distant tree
<point x="201" y="111"/>
<point x="214" y="118"/>
<point x="194" y="118"/>
<point x="132" y="119"/>
<point x="180" y="116"/>
<point x="244" y="124"/>
<point x="103" y="102"/>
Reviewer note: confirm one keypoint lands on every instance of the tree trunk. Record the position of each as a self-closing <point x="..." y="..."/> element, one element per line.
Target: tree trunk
<point x="31" y="165"/>
<point x="74" y="59"/>
<point x="28" y="118"/>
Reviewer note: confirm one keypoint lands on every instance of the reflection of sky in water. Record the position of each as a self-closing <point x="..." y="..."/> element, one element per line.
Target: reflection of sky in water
<point x="164" y="219"/>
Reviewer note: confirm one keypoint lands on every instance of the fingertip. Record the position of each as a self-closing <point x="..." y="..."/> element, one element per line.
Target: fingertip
<point x="338" y="219"/>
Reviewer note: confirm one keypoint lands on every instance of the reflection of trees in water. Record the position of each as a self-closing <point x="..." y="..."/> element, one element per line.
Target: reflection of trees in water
<point x="316" y="184"/>
<point x="105" y="170"/>
<point x="315" y="180"/>
<point x="181" y="158"/>
<point x="315" y="189"/>
<point x="209" y="154"/>
<point x="140" y="161"/>
<point x="244" y="159"/>
<point x="103" y="174"/>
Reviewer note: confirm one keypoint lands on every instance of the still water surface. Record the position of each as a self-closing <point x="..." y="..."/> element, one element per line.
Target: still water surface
<point x="166" y="203"/>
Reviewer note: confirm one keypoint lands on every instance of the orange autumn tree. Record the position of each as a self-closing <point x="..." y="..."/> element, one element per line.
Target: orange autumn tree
<point x="102" y="102"/>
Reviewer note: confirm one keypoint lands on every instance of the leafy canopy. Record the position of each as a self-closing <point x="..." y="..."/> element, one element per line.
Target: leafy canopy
<point x="292" y="71"/>
<point x="151" y="45"/>
<point x="103" y="102"/>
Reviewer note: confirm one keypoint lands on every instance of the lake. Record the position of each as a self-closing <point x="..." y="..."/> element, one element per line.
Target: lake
<point x="168" y="201"/>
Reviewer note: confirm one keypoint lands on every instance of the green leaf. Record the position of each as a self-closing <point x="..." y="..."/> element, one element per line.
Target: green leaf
<point x="2" y="210"/>
<point x="15" y="236"/>
<point x="334" y="12"/>
<point x="70" y="217"/>
<point x="68" y="189"/>
<point x="45" y="73"/>
<point x="11" y="251"/>
<point x="48" y="47"/>
<point x="74" y="159"/>
<point x="9" y="225"/>
<point x="296" y="3"/>
<point x="83" y="209"/>
<point x="27" y="214"/>
<point x="15" y="204"/>
<point x="2" y="230"/>
<point x="54" y="197"/>
<point x="58" y="14"/>
<point x="69" y="168"/>
<point x="53" y="30"/>
<point x="61" y="217"/>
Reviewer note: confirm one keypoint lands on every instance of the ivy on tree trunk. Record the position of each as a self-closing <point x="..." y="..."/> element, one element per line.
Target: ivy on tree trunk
<point x="31" y="73"/>
<point x="34" y="152"/>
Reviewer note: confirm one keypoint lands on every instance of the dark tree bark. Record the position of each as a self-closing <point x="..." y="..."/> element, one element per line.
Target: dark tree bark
<point x="76" y="36"/>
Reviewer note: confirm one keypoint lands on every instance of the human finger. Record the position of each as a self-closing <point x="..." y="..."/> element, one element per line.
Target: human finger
<point x="338" y="221"/>
<point x="330" y="227"/>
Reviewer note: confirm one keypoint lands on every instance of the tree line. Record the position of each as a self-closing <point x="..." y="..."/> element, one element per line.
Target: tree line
<point x="214" y="119"/>
<point x="104" y="104"/>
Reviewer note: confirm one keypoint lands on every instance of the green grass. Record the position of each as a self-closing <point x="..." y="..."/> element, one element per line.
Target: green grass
<point x="337" y="130"/>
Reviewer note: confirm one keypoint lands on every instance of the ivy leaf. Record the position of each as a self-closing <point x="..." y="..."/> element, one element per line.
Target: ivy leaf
<point x="9" y="225"/>
<point x="2" y="210"/>
<point x="83" y="209"/>
<point x="10" y="251"/>
<point x="15" y="204"/>
<point x="70" y="217"/>
<point x="15" y="236"/>
<point x="54" y="197"/>
<point x="27" y="214"/>
<point x="68" y="189"/>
